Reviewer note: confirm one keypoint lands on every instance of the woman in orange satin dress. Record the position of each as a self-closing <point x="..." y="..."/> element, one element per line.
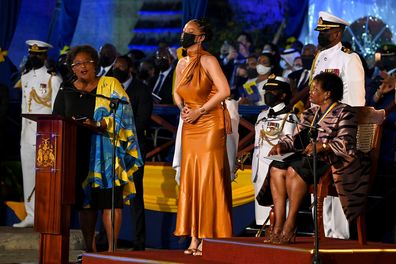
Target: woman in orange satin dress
<point x="204" y="209"/>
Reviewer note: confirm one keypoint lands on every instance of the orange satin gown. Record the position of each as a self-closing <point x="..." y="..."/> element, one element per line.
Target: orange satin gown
<point x="205" y="202"/>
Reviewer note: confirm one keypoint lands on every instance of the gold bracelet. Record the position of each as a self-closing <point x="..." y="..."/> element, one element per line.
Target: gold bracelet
<point x="202" y="110"/>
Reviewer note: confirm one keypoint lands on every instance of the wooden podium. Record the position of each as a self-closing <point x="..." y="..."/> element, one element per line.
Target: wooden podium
<point x="55" y="185"/>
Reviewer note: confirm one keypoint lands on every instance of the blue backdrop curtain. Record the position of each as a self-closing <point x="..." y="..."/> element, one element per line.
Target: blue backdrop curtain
<point x="297" y="11"/>
<point x="193" y="9"/>
<point x="9" y="13"/>
<point x="63" y="25"/>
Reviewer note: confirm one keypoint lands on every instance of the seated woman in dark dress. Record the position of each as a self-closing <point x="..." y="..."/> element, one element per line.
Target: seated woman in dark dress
<point x="84" y="100"/>
<point x="336" y="148"/>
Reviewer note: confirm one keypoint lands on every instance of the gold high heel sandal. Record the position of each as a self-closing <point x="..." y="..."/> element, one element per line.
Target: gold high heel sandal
<point x="288" y="238"/>
<point x="190" y="251"/>
<point x="198" y="252"/>
<point x="271" y="237"/>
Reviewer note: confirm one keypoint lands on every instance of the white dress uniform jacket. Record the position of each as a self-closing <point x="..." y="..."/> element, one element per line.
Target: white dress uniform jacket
<point x="348" y="67"/>
<point x="260" y="164"/>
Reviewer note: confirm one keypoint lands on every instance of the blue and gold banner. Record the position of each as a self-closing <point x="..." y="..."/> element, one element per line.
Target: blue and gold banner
<point x="161" y="190"/>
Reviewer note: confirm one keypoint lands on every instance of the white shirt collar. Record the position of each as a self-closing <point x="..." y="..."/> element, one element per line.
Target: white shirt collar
<point x="278" y="107"/>
<point x="127" y="83"/>
<point x="336" y="47"/>
<point x="165" y="73"/>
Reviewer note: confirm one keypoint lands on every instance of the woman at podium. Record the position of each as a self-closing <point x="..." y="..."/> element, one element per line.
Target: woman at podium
<point x="86" y="98"/>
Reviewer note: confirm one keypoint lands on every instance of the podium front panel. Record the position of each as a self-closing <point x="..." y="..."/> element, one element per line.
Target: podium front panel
<point x="55" y="168"/>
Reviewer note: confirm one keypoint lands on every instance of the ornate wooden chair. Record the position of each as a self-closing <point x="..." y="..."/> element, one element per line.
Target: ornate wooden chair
<point x="368" y="140"/>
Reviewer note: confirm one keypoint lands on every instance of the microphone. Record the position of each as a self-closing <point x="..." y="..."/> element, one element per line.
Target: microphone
<point x="293" y="116"/>
<point x="69" y="80"/>
<point x="294" y="119"/>
<point x="67" y="85"/>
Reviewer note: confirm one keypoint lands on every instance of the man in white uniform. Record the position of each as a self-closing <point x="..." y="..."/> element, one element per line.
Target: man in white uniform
<point x="39" y="89"/>
<point x="347" y="65"/>
<point x="272" y="123"/>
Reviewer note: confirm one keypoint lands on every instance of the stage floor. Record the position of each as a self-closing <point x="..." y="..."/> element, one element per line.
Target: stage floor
<point x="252" y="250"/>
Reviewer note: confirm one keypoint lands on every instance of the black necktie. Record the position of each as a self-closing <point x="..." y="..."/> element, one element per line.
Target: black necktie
<point x="271" y="113"/>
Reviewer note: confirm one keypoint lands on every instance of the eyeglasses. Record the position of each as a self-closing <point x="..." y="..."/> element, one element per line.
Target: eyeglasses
<point x="161" y="57"/>
<point x="78" y="64"/>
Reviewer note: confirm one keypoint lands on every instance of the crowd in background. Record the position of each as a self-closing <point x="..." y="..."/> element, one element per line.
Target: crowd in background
<point x="247" y="68"/>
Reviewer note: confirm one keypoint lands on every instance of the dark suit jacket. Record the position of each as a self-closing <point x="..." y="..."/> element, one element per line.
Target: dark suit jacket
<point x="142" y="106"/>
<point x="166" y="92"/>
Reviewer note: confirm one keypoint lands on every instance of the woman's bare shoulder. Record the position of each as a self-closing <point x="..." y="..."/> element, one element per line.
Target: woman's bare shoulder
<point x="208" y="60"/>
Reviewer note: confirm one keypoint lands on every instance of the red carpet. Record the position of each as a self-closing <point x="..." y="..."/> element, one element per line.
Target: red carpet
<point x="148" y="256"/>
<point x="252" y="250"/>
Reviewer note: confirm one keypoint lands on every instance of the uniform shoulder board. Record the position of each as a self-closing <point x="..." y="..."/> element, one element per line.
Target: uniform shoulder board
<point x="347" y="50"/>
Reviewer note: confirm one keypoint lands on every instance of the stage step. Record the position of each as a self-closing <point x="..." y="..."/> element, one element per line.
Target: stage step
<point x="26" y="238"/>
<point x="253" y="250"/>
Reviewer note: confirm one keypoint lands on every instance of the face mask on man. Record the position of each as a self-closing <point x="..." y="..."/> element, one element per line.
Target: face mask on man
<point x="323" y="40"/>
<point x="271" y="99"/>
<point x="35" y="62"/>
<point x="283" y="64"/>
<point x="307" y="61"/>
<point x="105" y="61"/>
<point x="297" y="67"/>
<point x="261" y="69"/>
<point x="162" y="64"/>
<point x="187" y="40"/>
<point x="120" y="75"/>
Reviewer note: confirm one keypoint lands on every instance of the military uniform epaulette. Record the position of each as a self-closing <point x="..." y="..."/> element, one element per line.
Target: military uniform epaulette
<point x="347" y="50"/>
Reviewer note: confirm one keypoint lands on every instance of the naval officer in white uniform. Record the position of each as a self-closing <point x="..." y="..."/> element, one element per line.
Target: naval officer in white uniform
<point x="333" y="57"/>
<point x="271" y="124"/>
<point x="39" y="89"/>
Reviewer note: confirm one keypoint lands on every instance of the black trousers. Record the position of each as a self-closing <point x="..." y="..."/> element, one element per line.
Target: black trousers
<point x="138" y="217"/>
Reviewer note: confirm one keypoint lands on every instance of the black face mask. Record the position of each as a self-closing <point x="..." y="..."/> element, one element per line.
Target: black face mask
<point x="239" y="80"/>
<point x="105" y="61"/>
<point x="307" y="61"/>
<point x="271" y="99"/>
<point x="252" y="73"/>
<point x="187" y="40"/>
<point x="162" y="64"/>
<point x="35" y="62"/>
<point x="120" y="75"/>
<point x="143" y="74"/>
<point x="323" y="40"/>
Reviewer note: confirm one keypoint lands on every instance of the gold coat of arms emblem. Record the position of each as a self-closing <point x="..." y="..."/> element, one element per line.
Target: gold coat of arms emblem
<point x="45" y="154"/>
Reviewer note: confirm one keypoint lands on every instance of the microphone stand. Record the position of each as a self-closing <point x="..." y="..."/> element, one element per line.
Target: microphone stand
<point x="314" y="134"/>
<point x="113" y="104"/>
